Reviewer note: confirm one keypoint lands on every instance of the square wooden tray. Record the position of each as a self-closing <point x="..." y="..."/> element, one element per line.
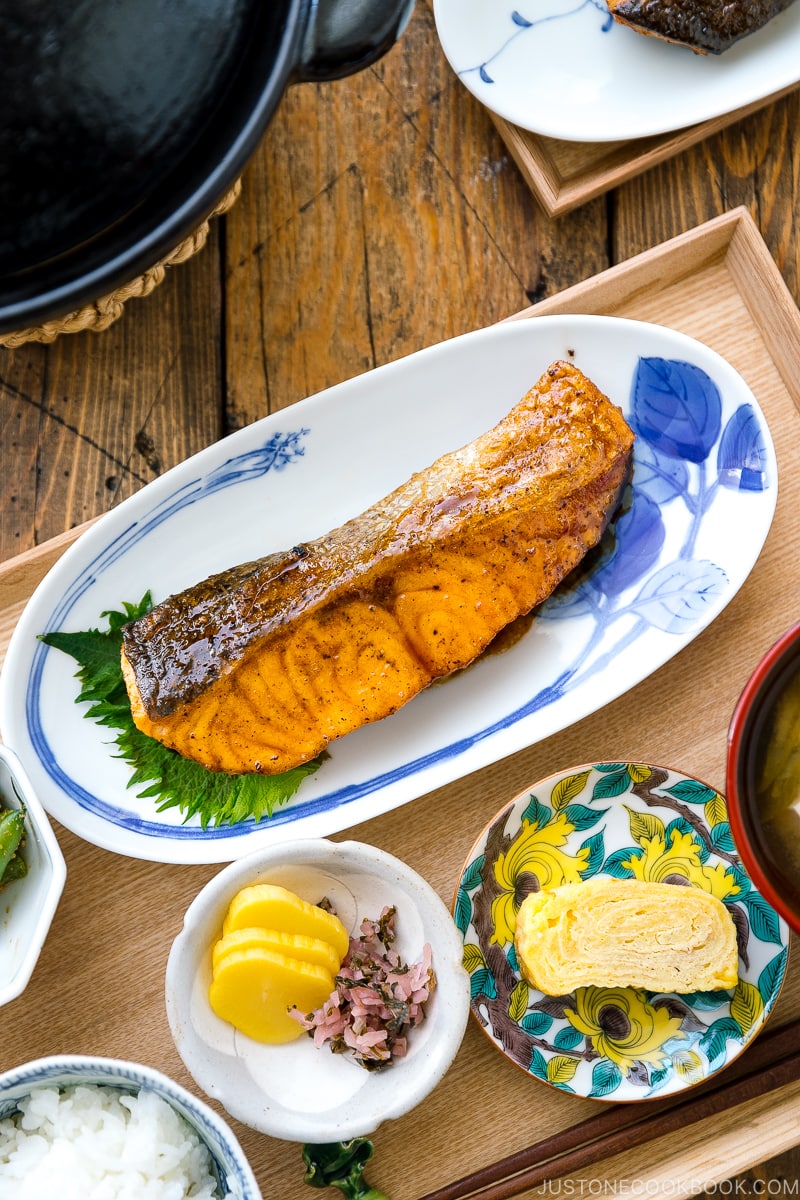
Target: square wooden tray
<point x="563" y="175"/>
<point x="98" y="986"/>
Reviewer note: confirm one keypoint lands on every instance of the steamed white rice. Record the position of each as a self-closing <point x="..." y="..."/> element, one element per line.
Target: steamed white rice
<point x="86" y="1142"/>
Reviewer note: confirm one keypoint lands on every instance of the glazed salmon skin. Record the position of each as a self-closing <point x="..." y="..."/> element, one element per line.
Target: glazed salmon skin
<point x="262" y="666"/>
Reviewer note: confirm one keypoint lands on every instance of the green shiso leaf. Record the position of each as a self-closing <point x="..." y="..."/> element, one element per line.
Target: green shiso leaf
<point x="213" y="797"/>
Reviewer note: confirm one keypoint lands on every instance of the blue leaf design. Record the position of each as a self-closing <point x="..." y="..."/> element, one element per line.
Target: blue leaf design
<point x="722" y="838"/>
<point x="606" y="1077"/>
<point x="580" y="816"/>
<point x="513" y="961"/>
<point x="742" y="881"/>
<point x="484" y="74"/>
<point x="536" y="1023"/>
<point x="640" y="537"/>
<point x="462" y="913"/>
<point x="763" y="918"/>
<point x="597" y="848"/>
<point x="536" y="812"/>
<point x="662" y="479"/>
<point x="538" y="1065"/>
<point x="481" y="983"/>
<point x="674" y="599"/>
<point x="567" y="1038"/>
<point x="716" y="1037"/>
<point x="518" y="19"/>
<point x="691" y="791"/>
<point x="742" y="453"/>
<point x="471" y="877"/>
<point x="614" y="863"/>
<point x="679" y="824"/>
<point x="677" y="407"/>
<point x="612" y="783"/>
<point x="771" y="978"/>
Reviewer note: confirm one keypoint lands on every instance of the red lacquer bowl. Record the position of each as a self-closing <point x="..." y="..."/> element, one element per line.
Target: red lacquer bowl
<point x="769" y="853"/>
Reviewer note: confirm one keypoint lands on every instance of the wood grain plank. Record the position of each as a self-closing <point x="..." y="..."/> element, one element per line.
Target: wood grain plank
<point x="755" y="165"/>
<point x="91" y="418"/>
<point x="345" y="257"/>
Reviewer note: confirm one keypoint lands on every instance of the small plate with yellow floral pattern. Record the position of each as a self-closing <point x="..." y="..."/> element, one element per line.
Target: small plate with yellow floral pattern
<point x="624" y="820"/>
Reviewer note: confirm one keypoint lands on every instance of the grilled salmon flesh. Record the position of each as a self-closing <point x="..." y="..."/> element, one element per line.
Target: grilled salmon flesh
<point x="260" y="667"/>
<point x="707" y="26"/>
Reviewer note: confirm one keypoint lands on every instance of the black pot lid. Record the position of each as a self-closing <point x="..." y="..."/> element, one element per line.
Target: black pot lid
<point x="123" y="123"/>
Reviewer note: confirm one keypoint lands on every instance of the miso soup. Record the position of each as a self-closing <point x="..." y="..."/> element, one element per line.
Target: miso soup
<point x="777" y="769"/>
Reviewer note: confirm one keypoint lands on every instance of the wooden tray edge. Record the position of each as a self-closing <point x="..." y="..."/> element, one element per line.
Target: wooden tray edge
<point x="21" y="574"/>
<point x="732" y="238"/>
<point x="557" y="194"/>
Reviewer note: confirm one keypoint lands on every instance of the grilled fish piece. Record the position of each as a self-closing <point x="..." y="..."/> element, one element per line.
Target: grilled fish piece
<point x="260" y="667"/>
<point x="707" y="26"/>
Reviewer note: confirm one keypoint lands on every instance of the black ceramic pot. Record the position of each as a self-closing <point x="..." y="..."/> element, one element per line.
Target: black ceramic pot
<point x="125" y="121"/>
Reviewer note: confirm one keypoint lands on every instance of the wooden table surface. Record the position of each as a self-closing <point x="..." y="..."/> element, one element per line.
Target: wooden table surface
<point x="380" y="215"/>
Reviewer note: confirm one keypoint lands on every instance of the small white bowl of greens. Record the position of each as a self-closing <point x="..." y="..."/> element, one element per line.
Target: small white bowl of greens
<point x="32" y="877"/>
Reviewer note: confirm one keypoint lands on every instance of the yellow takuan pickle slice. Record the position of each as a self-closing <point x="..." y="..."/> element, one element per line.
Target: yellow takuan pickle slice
<point x="254" y="990"/>
<point x="294" y="945"/>
<point x="269" y="906"/>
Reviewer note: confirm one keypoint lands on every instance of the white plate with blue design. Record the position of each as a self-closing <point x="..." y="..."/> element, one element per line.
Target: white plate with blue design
<point x="618" y="821"/>
<point x="566" y="69"/>
<point x="702" y="501"/>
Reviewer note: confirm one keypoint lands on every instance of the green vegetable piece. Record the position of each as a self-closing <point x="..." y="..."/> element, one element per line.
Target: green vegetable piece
<point x="16" y="869"/>
<point x="12" y="829"/>
<point x="340" y="1165"/>
<point x="212" y="796"/>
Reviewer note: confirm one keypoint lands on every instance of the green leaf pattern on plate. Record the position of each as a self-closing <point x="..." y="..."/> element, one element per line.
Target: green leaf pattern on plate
<point x="626" y="820"/>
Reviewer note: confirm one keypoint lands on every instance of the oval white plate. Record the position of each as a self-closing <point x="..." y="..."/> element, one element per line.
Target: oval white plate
<point x="615" y="821"/>
<point x="704" y="492"/>
<point x="565" y="69"/>
<point x="296" y="1091"/>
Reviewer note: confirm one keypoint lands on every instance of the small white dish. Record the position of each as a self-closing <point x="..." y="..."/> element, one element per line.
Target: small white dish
<point x="296" y="1091"/>
<point x="27" y="905"/>
<point x="234" y="1175"/>
<point x="567" y="70"/>
<point x="704" y="491"/>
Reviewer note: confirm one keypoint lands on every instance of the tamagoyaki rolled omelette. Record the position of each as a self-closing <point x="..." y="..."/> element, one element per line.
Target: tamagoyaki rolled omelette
<point x="260" y="667"/>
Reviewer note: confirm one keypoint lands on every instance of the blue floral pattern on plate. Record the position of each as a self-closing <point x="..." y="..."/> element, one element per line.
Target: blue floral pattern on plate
<point x="521" y="25"/>
<point x="703" y="463"/>
<point x="623" y="821"/>
<point x="683" y="455"/>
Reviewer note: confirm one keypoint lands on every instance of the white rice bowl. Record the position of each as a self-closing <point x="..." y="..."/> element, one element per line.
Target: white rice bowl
<point x="129" y="1135"/>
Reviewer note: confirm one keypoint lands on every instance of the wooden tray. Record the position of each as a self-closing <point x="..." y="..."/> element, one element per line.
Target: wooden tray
<point x="99" y="984"/>
<point x="563" y="175"/>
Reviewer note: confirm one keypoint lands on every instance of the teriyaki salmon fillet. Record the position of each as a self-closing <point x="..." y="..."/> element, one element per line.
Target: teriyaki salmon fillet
<point x="261" y="667"/>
